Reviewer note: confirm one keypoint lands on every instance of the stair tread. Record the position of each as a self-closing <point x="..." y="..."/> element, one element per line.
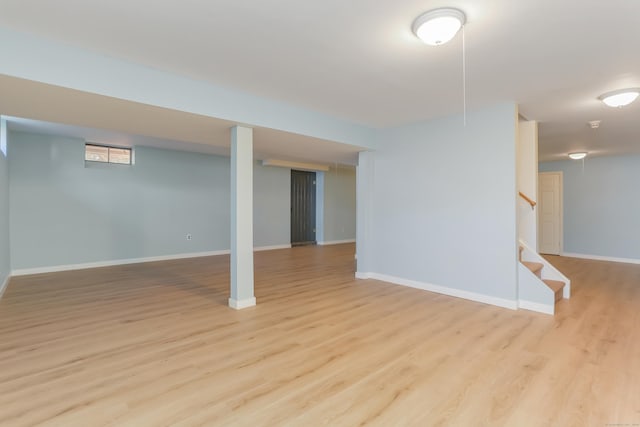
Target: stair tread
<point x="555" y="285"/>
<point x="533" y="266"/>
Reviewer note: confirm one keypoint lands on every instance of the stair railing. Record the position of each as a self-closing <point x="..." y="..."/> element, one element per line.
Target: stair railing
<point x="530" y="201"/>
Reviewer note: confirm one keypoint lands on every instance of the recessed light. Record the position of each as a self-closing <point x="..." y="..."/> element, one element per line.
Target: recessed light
<point x="438" y="26"/>
<point x="578" y="156"/>
<point x="620" y="98"/>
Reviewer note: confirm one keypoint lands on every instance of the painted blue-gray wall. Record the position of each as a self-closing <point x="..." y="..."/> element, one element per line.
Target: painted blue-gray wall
<point x="601" y="205"/>
<point x="5" y="257"/>
<point x="444" y="203"/>
<point x="339" y="196"/>
<point x="271" y="206"/>
<point x="65" y="212"/>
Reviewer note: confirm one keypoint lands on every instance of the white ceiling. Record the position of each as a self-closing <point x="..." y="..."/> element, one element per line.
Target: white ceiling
<point x="358" y="60"/>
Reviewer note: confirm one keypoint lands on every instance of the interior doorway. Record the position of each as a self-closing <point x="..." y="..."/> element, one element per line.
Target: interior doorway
<point x="303" y="208"/>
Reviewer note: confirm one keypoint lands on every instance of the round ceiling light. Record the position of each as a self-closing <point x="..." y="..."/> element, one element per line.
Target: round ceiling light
<point x="438" y="26"/>
<point x="578" y="156"/>
<point x="620" y="98"/>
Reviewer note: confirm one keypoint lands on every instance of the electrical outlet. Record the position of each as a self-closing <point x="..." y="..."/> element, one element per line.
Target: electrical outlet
<point x="189" y="236"/>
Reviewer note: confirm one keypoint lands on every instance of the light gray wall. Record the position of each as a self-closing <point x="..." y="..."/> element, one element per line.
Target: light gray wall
<point x="271" y="206"/>
<point x="444" y="203"/>
<point x="339" y="196"/>
<point x="601" y="205"/>
<point x="63" y="212"/>
<point x="5" y="257"/>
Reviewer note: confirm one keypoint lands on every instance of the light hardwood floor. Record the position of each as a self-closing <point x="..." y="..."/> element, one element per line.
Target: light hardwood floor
<point x="155" y="344"/>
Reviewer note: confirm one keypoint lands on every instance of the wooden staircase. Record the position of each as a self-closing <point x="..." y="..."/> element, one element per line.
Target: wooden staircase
<point x="555" y="285"/>
<point x="547" y="275"/>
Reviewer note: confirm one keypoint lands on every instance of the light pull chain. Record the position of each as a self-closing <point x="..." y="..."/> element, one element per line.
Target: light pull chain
<point x="464" y="77"/>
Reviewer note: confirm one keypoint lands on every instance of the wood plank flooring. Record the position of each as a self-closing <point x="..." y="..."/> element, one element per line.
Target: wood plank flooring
<point x="155" y="344"/>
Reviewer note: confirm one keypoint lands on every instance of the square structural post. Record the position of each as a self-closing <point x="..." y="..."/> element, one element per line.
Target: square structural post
<point x="242" y="295"/>
<point x="364" y="208"/>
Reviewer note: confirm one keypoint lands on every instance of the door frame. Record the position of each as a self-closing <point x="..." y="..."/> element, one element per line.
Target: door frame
<point x="561" y="208"/>
<point x="312" y="212"/>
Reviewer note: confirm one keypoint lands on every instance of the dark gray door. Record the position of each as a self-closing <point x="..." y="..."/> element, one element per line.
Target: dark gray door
<point x="303" y="208"/>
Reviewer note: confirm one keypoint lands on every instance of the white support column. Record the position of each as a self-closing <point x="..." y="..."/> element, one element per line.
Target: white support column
<point x="364" y="207"/>
<point x="241" y="218"/>
<point x="320" y="207"/>
<point x="3" y="136"/>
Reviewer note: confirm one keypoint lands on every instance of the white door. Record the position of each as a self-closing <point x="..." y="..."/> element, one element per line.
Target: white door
<point x="550" y="212"/>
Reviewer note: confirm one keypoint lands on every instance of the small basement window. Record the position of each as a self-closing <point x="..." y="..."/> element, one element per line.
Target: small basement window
<point x="105" y="154"/>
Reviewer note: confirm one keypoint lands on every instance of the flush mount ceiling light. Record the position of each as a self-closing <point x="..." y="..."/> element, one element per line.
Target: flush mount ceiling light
<point x="578" y="156"/>
<point x="438" y="26"/>
<point x="620" y="98"/>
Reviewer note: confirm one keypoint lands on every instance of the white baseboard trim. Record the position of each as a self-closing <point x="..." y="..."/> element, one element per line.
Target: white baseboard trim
<point x="83" y="266"/>
<point x="111" y="263"/>
<point x="336" y="242"/>
<point x="360" y="275"/>
<point x="472" y="296"/>
<point x="534" y="306"/>
<point x="4" y="285"/>
<point x="243" y="303"/>
<point x="601" y="258"/>
<point x="271" y="248"/>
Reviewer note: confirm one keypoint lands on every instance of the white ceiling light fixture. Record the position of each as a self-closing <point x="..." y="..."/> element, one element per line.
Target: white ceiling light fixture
<point x="438" y="26"/>
<point x="620" y="98"/>
<point x="578" y="156"/>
